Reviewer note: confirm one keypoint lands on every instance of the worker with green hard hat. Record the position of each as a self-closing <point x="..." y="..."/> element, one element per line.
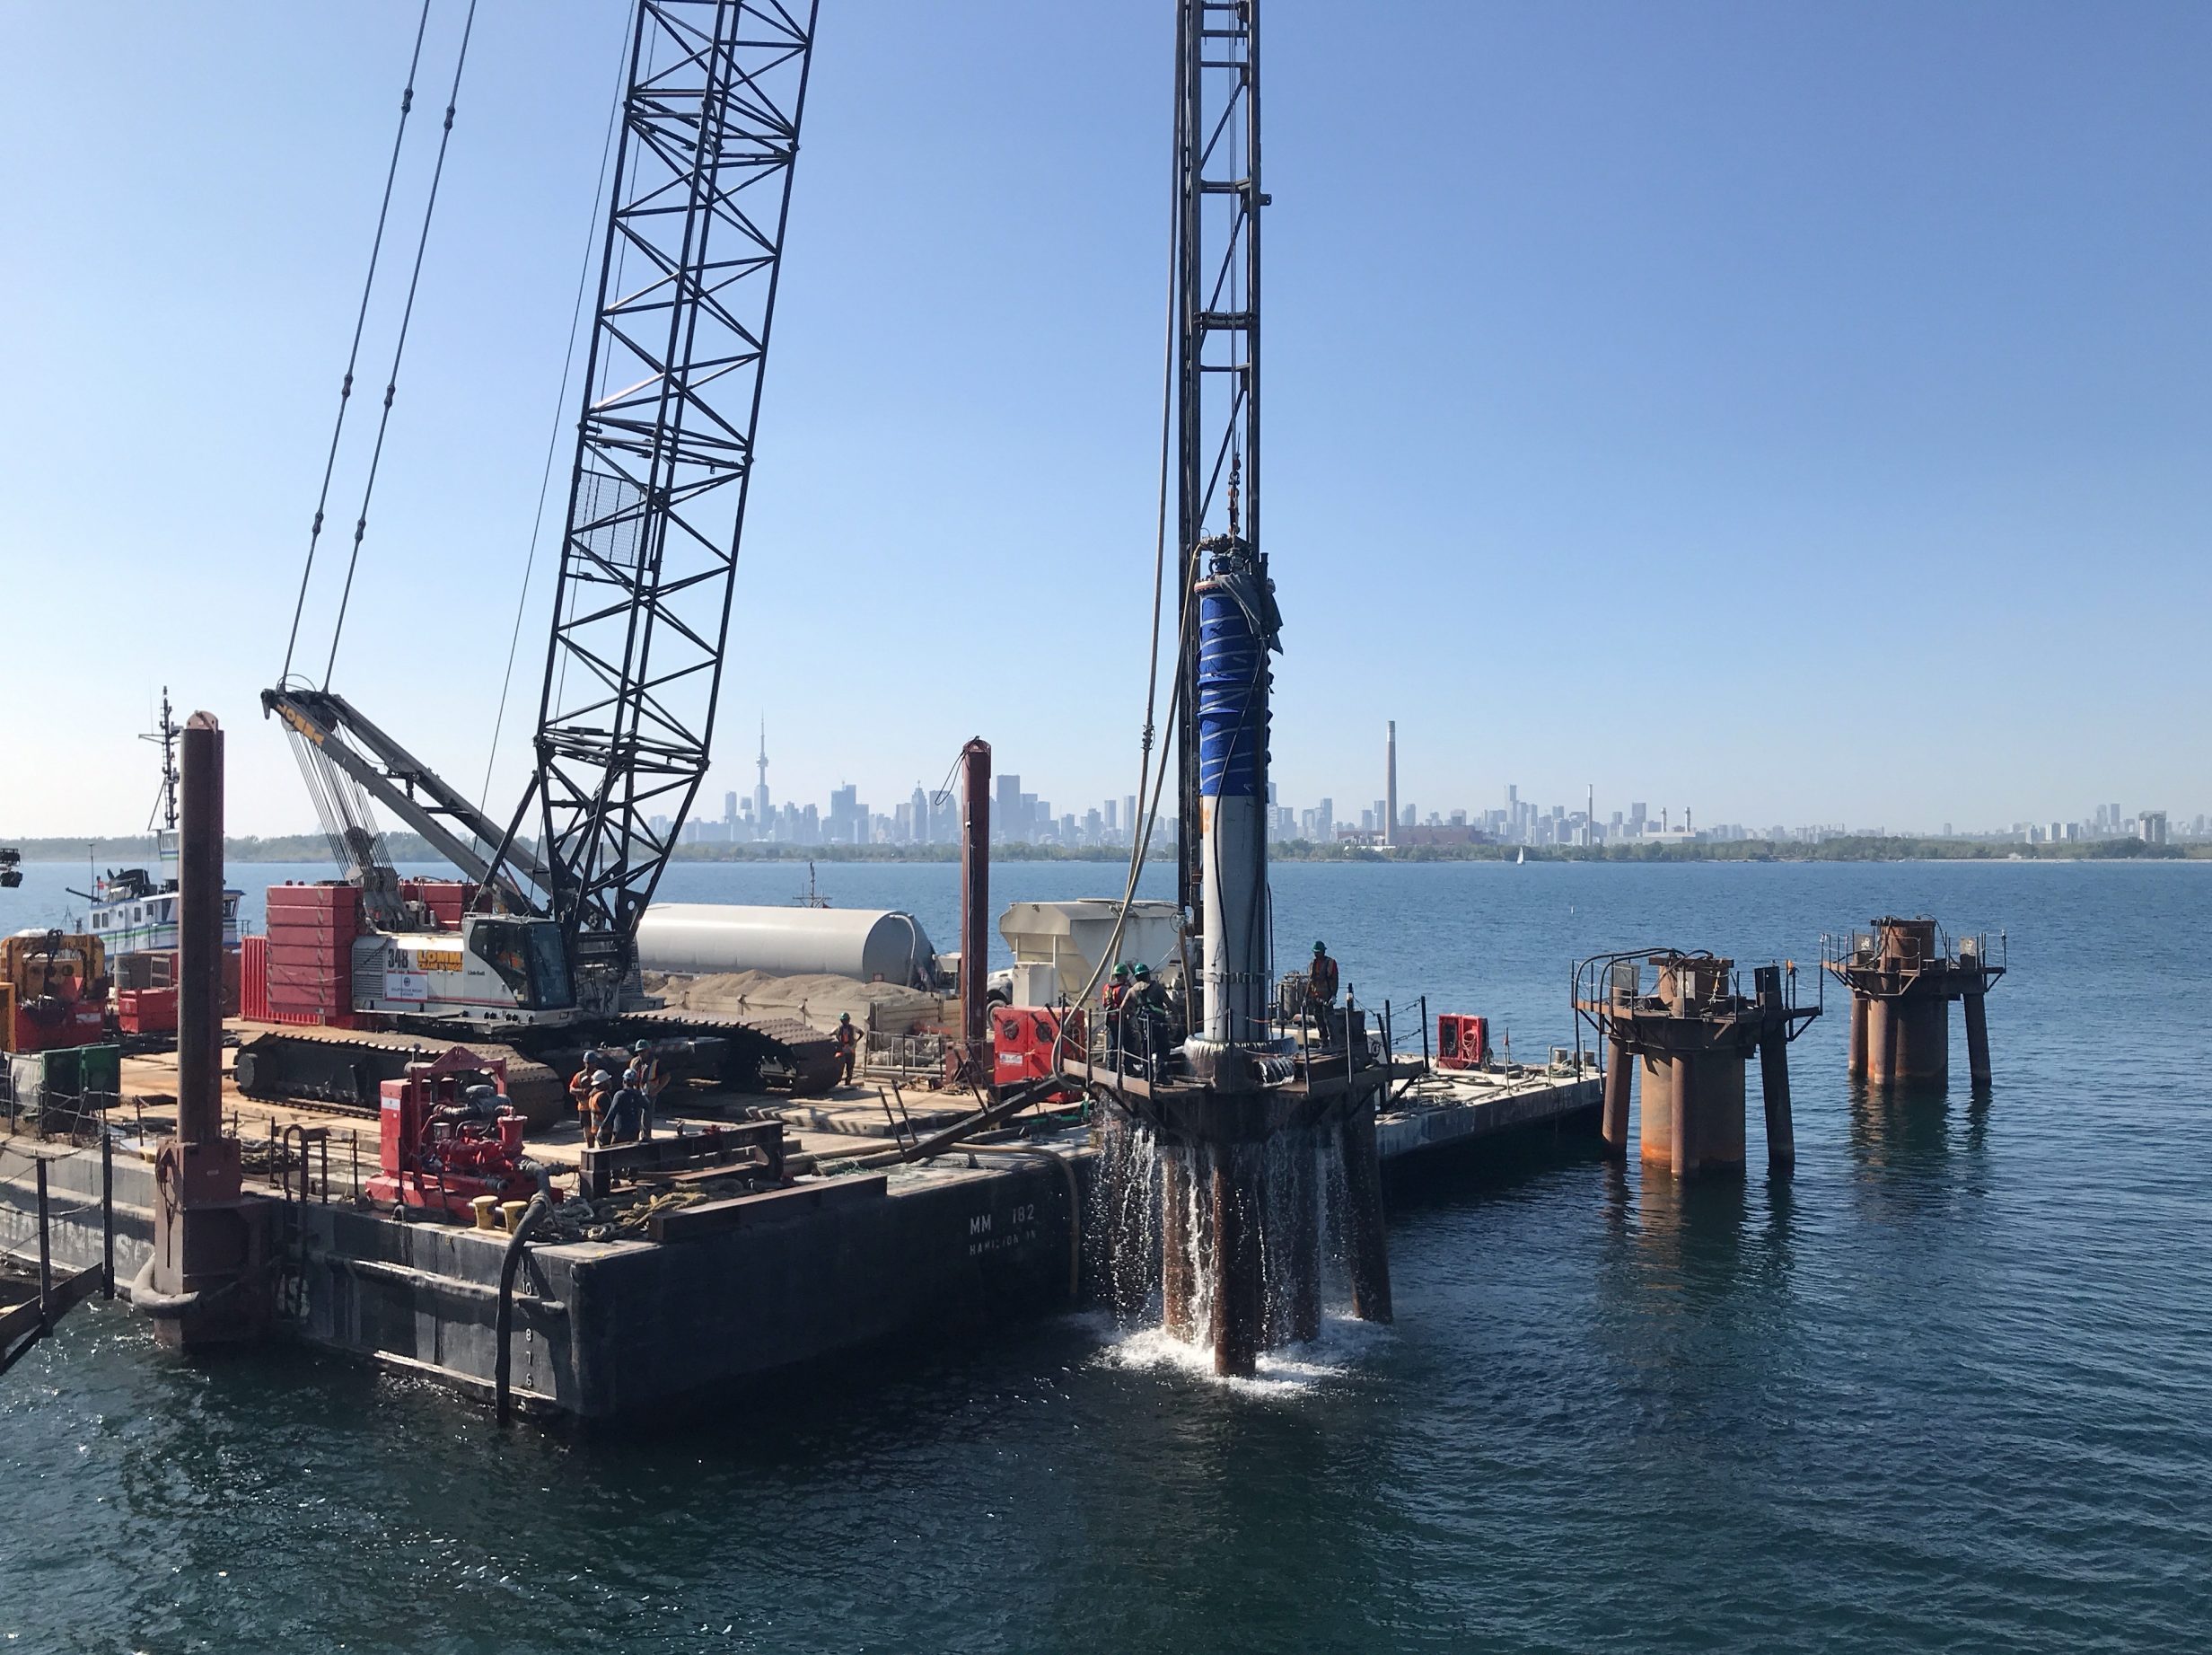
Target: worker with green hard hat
<point x="1320" y="993"/>
<point x="1147" y="1008"/>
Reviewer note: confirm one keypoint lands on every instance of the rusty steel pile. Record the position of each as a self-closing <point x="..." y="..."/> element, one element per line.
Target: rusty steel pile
<point x="1690" y="1041"/>
<point x="1903" y="975"/>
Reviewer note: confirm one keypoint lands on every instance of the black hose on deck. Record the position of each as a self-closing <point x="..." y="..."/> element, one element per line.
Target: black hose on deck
<point x="541" y="1207"/>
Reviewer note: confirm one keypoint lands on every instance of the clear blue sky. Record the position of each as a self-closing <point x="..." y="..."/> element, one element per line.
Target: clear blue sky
<point x="1803" y="413"/>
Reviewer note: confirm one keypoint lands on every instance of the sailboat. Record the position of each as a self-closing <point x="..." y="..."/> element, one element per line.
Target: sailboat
<point x="1519" y="856"/>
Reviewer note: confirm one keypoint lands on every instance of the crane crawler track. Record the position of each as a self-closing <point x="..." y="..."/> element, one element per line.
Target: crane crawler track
<point x="783" y="1054"/>
<point x="344" y="1068"/>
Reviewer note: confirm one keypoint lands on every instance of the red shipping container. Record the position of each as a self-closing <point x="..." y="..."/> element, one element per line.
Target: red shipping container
<point x="253" y="978"/>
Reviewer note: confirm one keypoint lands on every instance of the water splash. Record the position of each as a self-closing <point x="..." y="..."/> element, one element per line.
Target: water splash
<point x="1333" y="1358"/>
<point x="1151" y="1229"/>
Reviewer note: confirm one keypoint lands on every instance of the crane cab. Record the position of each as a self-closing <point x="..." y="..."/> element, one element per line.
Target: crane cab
<point x="497" y="969"/>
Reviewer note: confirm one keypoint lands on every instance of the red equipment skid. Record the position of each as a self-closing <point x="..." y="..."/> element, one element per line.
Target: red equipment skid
<point x="435" y="1155"/>
<point x="1024" y="1040"/>
<point x="1462" y="1041"/>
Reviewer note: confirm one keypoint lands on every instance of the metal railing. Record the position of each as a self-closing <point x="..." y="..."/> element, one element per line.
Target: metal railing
<point x="22" y="1325"/>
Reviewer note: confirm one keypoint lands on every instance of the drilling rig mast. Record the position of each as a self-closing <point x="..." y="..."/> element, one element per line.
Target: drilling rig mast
<point x="1231" y="625"/>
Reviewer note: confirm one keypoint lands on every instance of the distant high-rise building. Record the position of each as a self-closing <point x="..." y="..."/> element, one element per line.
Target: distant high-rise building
<point x="1390" y="780"/>
<point x="761" y="788"/>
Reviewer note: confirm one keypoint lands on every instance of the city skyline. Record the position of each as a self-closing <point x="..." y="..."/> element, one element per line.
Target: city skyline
<point x="928" y="816"/>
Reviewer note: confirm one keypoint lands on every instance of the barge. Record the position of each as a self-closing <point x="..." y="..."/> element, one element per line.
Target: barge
<point x="845" y="1258"/>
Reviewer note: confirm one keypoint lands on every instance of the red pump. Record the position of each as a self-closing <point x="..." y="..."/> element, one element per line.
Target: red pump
<point x="449" y="1135"/>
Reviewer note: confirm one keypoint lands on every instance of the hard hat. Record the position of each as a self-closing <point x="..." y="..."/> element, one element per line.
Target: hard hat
<point x="642" y="1045"/>
<point x="1143" y="971"/>
<point x="1320" y="947"/>
<point x="1122" y="969"/>
<point x="845" y="1017"/>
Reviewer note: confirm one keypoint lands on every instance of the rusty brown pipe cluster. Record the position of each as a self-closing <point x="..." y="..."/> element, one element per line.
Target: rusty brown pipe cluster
<point x="1233" y="1214"/>
<point x="1688" y="1042"/>
<point x="1248" y="1175"/>
<point x="1902" y="977"/>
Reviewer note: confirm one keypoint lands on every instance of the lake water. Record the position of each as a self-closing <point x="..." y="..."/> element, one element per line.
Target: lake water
<point x="1948" y="1388"/>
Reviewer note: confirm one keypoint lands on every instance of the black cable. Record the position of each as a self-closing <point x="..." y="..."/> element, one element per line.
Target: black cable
<point x="345" y="387"/>
<point x="391" y="385"/>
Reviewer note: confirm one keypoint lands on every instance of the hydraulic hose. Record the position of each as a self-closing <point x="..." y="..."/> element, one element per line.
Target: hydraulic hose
<point x="541" y="1207"/>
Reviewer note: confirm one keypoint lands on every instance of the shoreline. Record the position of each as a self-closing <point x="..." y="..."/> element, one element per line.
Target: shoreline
<point x="405" y="848"/>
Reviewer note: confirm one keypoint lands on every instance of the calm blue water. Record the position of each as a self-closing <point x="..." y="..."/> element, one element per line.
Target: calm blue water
<point x="1950" y="1388"/>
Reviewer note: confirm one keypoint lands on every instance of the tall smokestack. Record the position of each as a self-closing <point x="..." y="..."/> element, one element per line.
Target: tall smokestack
<point x="1390" y="783"/>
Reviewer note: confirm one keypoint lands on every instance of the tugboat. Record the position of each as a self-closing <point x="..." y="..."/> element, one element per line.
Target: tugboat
<point x="134" y="912"/>
<point x="11" y="869"/>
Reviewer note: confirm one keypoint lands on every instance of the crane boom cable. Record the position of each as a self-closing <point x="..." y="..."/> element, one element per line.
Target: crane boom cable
<point x="1151" y="780"/>
<point x="552" y="445"/>
<point x="399" y="349"/>
<point x="361" y="318"/>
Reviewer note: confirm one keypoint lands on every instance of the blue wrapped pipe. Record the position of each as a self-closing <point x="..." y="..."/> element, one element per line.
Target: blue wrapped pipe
<point x="1232" y="703"/>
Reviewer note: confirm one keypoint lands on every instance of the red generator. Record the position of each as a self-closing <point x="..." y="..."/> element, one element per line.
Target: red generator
<point x="1023" y="1038"/>
<point x="1462" y="1041"/>
<point x="441" y="1149"/>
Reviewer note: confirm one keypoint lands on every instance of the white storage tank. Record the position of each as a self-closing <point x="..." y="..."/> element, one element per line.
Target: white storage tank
<point x="709" y="938"/>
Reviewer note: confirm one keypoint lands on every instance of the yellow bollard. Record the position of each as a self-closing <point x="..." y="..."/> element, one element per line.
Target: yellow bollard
<point x="486" y="1208"/>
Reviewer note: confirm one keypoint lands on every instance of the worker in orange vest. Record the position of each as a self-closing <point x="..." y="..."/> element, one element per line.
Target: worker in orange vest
<point x="595" y="1084"/>
<point x="1321" y="992"/>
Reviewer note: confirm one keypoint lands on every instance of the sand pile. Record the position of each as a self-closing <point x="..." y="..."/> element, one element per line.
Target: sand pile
<point x="818" y="999"/>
